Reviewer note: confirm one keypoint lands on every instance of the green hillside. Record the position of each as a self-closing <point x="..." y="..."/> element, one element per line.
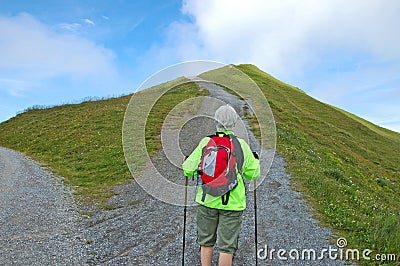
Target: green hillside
<point x="348" y="168"/>
<point x="83" y="142"/>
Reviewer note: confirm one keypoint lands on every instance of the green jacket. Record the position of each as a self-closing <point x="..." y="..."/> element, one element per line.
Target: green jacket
<point x="237" y="199"/>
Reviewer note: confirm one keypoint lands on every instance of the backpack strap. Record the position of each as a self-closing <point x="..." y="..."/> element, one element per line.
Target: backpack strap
<point x="225" y="198"/>
<point x="213" y="135"/>
<point x="238" y="153"/>
<point x="203" y="197"/>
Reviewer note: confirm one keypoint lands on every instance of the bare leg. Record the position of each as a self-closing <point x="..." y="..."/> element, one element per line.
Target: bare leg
<point x="206" y="254"/>
<point x="225" y="259"/>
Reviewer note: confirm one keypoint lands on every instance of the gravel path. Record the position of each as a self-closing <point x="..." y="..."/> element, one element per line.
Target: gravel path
<point x="37" y="219"/>
<point x="40" y="226"/>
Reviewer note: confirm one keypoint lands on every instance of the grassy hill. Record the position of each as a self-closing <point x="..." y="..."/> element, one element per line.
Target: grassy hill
<point x="83" y="142"/>
<point x="348" y="168"/>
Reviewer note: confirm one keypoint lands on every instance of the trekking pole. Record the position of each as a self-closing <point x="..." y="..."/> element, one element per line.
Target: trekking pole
<point x="255" y="211"/>
<point x="255" y="219"/>
<point x="184" y="221"/>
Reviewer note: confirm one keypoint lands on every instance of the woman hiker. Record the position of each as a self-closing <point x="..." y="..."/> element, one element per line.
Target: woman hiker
<point x="221" y="162"/>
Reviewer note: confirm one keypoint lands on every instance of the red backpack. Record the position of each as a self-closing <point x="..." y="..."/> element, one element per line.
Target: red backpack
<point x="221" y="157"/>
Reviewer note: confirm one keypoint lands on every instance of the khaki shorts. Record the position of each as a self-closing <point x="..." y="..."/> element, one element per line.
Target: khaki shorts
<point x="221" y="225"/>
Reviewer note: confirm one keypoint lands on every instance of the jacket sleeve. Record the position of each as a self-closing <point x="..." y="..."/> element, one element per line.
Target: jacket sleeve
<point x="191" y="164"/>
<point x="251" y="165"/>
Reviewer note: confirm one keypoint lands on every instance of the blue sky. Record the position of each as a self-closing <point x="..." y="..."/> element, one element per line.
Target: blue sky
<point x="344" y="53"/>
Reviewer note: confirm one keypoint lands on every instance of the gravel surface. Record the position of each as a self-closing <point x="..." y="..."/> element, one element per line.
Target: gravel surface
<point x="38" y="222"/>
<point x="40" y="225"/>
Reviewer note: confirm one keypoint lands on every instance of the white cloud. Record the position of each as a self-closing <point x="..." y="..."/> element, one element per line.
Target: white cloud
<point x="337" y="48"/>
<point x="33" y="53"/>
<point x="88" y="21"/>
<point x="286" y="36"/>
<point x="74" y="27"/>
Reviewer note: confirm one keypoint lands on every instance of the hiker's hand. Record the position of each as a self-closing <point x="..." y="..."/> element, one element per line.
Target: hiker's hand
<point x="256" y="155"/>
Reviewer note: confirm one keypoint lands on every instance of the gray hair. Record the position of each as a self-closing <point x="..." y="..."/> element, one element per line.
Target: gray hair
<point x="225" y="117"/>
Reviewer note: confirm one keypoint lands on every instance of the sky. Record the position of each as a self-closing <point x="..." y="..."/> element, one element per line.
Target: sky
<point x="344" y="53"/>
